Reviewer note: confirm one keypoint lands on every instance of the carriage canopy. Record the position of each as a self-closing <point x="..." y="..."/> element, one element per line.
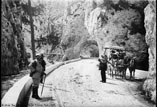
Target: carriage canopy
<point x="115" y="48"/>
<point x="116" y="52"/>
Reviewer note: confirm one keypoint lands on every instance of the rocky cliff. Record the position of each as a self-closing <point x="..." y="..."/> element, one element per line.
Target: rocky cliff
<point x="12" y="42"/>
<point x="118" y="24"/>
<point x="107" y="23"/>
<point x="75" y="40"/>
<point x="48" y="16"/>
<point x="150" y="25"/>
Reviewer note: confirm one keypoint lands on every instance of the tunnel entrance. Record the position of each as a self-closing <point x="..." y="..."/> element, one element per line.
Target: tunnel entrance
<point x="90" y="49"/>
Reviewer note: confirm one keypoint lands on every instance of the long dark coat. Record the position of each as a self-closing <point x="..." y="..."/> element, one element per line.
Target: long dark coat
<point x="103" y="68"/>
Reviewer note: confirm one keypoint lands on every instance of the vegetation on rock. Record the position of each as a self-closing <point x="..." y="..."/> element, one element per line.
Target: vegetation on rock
<point x="13" y="53"/>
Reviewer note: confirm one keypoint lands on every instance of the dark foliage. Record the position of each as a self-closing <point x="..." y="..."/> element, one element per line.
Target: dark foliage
<point x="35" y="12"/>
<point x="121" y="5"/>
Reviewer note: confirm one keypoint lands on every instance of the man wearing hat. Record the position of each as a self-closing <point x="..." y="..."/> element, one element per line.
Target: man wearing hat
<point x="103" y="67"/>
<point x="43" y="63"/>
<point x="36" y="72"/>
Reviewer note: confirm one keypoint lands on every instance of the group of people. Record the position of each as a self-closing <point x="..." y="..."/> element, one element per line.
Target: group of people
<point x="122" y="63"/>
<point x="37" y="68"/>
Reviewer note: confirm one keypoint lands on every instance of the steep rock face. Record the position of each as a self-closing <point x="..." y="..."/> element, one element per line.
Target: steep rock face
<point x="108" y="23"/>
<point x="12" y="45"/>
<point x="150" y="25"/>
<point x="75" y="34"/>
<point x="52" y="26"/>
<point x="118" y="23"/>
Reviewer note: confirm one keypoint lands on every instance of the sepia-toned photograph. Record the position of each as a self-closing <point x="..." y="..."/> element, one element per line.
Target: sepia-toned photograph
<point x="78" y="53"/>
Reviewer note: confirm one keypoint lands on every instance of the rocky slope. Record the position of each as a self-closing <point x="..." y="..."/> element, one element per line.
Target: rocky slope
<point x="97" y="22"/>
<point x="12" y="42"/>
<point x="59" y="28"/>
<point x="75" y="34"/>
<point x="118" y="24"/>
<point x="150" y="25"/>
<point x="107" y="23"/>
<point x="47" y="25"/>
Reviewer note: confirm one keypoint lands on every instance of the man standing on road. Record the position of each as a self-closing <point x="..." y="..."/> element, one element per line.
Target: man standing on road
<point x="36" y="72"/>
<point x="43" y="63"/>
<point x="103" y="67"/>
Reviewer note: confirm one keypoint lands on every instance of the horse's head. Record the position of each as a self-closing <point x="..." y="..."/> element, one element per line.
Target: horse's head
<point x="132" y="62"/>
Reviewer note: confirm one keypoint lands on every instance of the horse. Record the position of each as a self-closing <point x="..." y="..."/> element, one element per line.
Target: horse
<point x="121" y="68"/>
<point x="131" y="67"/>
<point x="111" y="66"/>
<point x="111" y="69"/>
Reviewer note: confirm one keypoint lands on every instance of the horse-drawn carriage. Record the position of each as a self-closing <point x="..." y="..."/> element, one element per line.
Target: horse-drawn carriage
<point x="117" y="61"/>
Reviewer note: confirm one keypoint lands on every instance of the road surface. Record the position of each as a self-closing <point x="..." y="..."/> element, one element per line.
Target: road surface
<point x="78" y="85"/>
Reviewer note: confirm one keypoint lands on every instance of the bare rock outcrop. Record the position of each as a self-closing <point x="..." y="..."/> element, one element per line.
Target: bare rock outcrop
<point x="75" y="34"/>
<point x="118" y="23"/>
<point x="108" y="23"/>
<point x="150" y="25"/>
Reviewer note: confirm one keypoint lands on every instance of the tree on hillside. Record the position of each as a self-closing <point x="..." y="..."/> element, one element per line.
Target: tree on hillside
<point x="12" y="46"/>
<point x="32" y="29"/>
<point x="48" y="24"/>
<point x="31" y="11"/>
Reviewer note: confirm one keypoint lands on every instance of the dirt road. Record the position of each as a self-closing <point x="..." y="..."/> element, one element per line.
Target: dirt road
<point x="78" y="85"/>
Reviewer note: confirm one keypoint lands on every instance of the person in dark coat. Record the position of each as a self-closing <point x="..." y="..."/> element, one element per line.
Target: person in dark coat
<point x="43" y="63"/>
<point x="36" y="72"/>
<point x="103" y="67"/>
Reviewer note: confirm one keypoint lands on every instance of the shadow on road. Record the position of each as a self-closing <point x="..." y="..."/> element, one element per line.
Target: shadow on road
<point x="111" y="83"/>
<point x="46" y="86"/>
<point x="120" y="79"/>
<point x="46" y="99"/>
<point x="62" y="90"/>
<point x="136" y="80"/>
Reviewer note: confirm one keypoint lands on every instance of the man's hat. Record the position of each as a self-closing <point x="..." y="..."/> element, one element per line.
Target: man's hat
<point x="42" y="55"/>
<point x="102" y="56"/>
<point x="38" y="56"/>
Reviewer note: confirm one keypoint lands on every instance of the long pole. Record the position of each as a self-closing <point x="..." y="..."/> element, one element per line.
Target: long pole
<point x="32" y="29"/>
<point x="43" y="85"/>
